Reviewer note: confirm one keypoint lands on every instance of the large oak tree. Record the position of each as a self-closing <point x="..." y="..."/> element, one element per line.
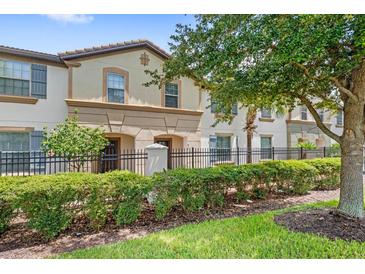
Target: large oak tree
<point x="283" y="61"/>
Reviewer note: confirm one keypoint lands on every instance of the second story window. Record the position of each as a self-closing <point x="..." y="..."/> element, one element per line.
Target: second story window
<point x="23" y="79"/>
<point x="172" y="95"/>
<point x="339" y="118"/>
<point x="235" y="109"/>
<point x="14" y="78"/>
<point x="303" y="113"/>
<point x="265" y="113"/>
<point x="214" y="105"/>
<point x="116" y="88"/>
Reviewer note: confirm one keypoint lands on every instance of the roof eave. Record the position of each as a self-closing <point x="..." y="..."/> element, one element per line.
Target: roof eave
<point x="32" y="55"/>
<point x="115" y="49"/>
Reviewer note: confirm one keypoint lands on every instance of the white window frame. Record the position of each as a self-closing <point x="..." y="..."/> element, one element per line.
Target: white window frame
<point x="29" y="79"/>
<point x="303" y="110"/>
<point x="265" y="110"/>
<point x="172" y="95"/>
<point x="340" y="113"/>
<point x="107" y="87"/>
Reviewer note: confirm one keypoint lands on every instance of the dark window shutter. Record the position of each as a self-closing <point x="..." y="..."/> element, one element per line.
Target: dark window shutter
<point x="36" y="139"/>
<point x="235" y="109"/>
<point x="39" y="81"/>
<point x="213" y="107"/>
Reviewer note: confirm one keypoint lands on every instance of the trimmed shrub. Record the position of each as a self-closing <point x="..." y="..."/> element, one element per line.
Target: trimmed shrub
<point x="329" y="170"/>
<point x="194" y="189"/>
<point x="7" y="199"/>
<point x="51" y="202"/>
<point x="291" y="176"/>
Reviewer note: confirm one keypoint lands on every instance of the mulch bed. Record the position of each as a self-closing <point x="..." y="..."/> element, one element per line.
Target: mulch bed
<point x="21" y="242"/>
<point x="324" y="222"/>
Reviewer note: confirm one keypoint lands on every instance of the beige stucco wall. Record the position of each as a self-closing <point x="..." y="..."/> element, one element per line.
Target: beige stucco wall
<point x="46" y="112"/>
<point x="142" y="126"/>
<point x="235" y="130"/>
<point x="87" y="81"/>
<point x="177" y="142"/>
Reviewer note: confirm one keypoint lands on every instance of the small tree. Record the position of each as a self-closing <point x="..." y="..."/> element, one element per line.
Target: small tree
<point x="74" y="142"/>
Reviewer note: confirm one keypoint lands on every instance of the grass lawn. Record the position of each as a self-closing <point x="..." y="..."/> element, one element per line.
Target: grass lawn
<point x="255" y="236"/>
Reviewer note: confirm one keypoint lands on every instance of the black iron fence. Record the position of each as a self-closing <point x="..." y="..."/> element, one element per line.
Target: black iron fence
<point x="36" y="162"/>
<point x="207" y="157"/>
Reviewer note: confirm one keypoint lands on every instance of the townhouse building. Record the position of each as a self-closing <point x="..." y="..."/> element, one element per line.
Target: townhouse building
<point x="33" y="87"/>
<point x="105" y="85"/>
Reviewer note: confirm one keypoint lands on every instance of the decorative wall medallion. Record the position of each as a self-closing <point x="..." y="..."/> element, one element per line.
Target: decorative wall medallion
<point x="144" y="59"/>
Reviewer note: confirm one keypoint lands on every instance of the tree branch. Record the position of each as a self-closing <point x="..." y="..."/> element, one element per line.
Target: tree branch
<point x="319" y="123"/>
<point x="344" y="90"/>
<point x="334" y="80"/>
<point x="305" y="71"/>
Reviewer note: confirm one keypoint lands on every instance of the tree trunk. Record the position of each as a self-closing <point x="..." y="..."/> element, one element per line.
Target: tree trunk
<point x="250" y="128"/>
<point x="352" y="141"/>
<point x="249" y="146"/>
<point x="351" y="192"/>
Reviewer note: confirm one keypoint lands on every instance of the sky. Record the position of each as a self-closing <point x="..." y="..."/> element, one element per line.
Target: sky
<point x="58" y="33"/>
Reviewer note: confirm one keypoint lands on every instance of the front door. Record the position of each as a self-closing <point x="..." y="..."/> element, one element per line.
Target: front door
<point x="166" y="143"/>
<point x="110" y="159"/>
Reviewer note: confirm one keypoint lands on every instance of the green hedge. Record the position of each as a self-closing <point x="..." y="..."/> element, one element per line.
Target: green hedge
<point x="194" y="189"/>
<point x="51" y="202"/>
<point x="329" y="173"/>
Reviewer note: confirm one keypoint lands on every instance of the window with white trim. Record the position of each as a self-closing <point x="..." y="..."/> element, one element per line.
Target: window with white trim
<point x="172" y="95"/>
<point x="23" y="79"/>
<point x="14" y="78"/>
<point x="266" y="113"/>
<point x="214" y="106"/>
<point x="266" y="147"/>
<point x="220" y="148"/>
<point x="116" y="87"/>
<point x="14" y="141"/>
<point x="303" y="113"/>
<point x="339" y="118"/>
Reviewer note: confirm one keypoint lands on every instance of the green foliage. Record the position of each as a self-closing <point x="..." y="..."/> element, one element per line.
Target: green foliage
<point x="277" y="61"/>
<point x="51" y="202"/>
<point x="329" y="173"/>
<point x="6" y="213"/>
<point x="292" y="176"/>
<point x="335" y="150"/>
<point x="256" y="237"/>
<point x="127" y="212"/>
<point x="306" y="145"/>
<point x="194" y="189"/>
<point x="74" y="141"/>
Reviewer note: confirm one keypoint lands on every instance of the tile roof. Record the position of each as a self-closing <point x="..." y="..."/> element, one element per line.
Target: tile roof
<point x="68" y="55"/>
<point x="31" y="54"/>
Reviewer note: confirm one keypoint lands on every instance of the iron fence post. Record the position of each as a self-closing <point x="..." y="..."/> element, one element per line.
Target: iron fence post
<point x="192" y="157"/>
<point x="301" y="153"/>
<point x="273" y="153"/>
<point x="100" y="162"/>
<point x="324" y="152"/>
<point x="238" y="156"/>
